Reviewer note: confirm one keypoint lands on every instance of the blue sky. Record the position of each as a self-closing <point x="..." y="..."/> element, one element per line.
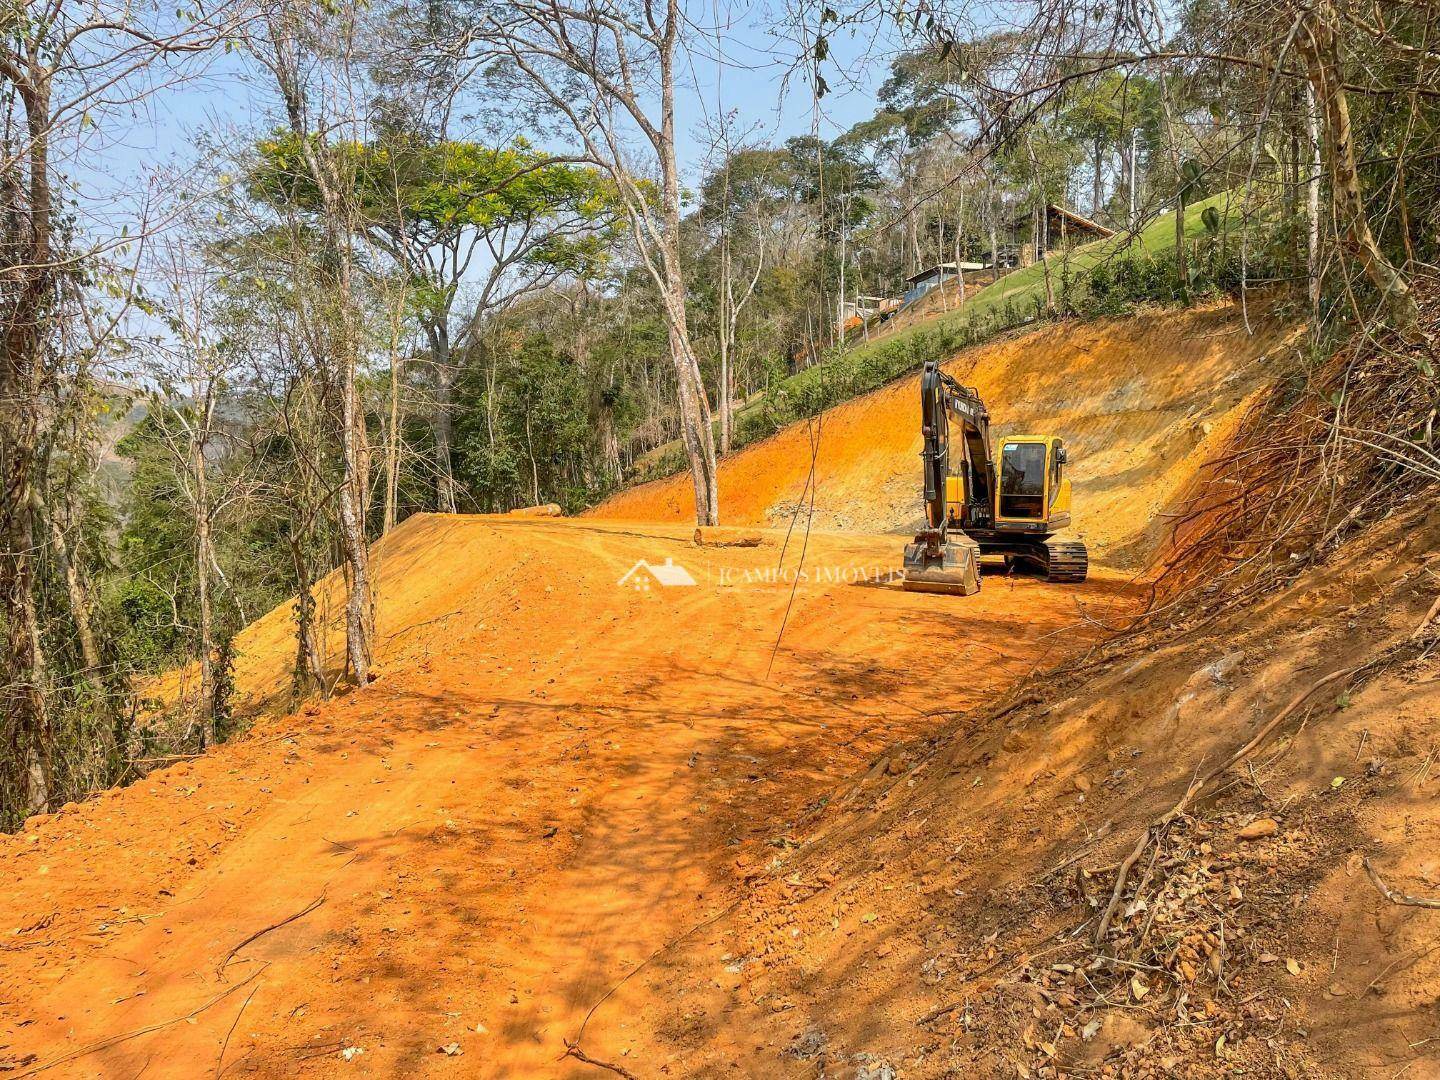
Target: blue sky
<point x="167" y="130"/>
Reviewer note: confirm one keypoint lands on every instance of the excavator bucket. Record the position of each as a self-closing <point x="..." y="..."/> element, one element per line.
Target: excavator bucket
<point x="950" y="567"/>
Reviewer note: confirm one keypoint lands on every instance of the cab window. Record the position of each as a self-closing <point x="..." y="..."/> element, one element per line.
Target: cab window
<point x="1022" y="480"/>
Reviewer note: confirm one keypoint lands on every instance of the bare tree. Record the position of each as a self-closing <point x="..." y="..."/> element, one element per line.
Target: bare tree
<point x="1319" y="48"/>
<point x="735" y="287"/>
<point x="61" y="63"/>
<point x="312" y="62"/>
<point x="610" y="70"/>
<point x="195" y="376"/>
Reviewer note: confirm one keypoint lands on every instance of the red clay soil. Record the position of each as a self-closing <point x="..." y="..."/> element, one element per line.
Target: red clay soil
<point x="1142" y="402"/>
<point x="553" y="776"/>
<point x="570" y="808"/>
<point x="938" y="920"/>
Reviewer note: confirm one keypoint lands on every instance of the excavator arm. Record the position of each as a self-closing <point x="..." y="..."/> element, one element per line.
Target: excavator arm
<point x="970" y="509"/>
<point x="954" y="421"/>
<point x="936" y="561"/>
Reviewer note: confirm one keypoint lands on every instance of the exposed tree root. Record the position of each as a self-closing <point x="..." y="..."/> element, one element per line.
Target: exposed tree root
<point x="115" y="1040"/>
<point x="220" y="970"/>
<point x="1395" y="896"/>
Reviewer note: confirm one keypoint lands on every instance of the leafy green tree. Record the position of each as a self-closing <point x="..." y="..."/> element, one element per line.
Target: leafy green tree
<point x="506" y="220"/>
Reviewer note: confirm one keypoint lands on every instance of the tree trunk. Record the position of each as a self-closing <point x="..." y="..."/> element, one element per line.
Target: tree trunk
<point x="23" y="676"/>
<point x="352" y="529"/>
<point x="1041" y="230"/>
<point x="23" y="679"/>
<point x="697" y="433"/>
<point x="1098" y="190"/>
<point x="76" y="592"/>
<point x="334" y="189"/>
<point x="959" y="250"/>
<point x="609" y="445"/>
<point x="1172" y="140"/>
<point x="534" y="468"/>
<point x="439" y="335"/>
<point x="726" y="321"/>
<point x="204" y="556"/>
<point x="1319" y="49"/>
<point x="1312" y="206"/>
<point x="727" y="421"/>
<point x="990" y="221"/>
<point x="308" y="674"/>
<point x="392" y="450"/>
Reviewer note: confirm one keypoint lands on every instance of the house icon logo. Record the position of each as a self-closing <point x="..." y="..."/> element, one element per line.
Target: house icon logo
<point x="644" y="576"/>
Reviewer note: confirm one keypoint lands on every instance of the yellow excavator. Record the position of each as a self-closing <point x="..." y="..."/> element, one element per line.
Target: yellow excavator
<point x="976" y="504"/>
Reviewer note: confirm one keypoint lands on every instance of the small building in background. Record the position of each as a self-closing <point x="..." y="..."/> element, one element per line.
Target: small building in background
<point x="865" y="308"/>
<point x="917" y="285"/>
<point x="1059" y="228"/>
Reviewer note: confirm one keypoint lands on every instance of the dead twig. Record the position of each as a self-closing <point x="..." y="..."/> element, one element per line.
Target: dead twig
<point x="661" y="951"/>
<point x="1394" y="895"/>
<point x="220" y="971"/>
<point x="225" y="1046"/>
<point x="115" y="1040"/>
<point x="165" y="759"/>
<point x="939" y="1011"/>
<point x="416" y="626"/>
<point x="1425" y="622"/>
<point x="573" y="1050"/>
<point x="1403" y="958"/>
<point x="1156" y="829"/>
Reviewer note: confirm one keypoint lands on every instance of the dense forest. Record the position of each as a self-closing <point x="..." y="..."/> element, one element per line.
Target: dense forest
<point x="469" y="256"/>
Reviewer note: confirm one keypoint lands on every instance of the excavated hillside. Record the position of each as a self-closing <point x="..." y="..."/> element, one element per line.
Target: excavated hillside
<point x="784" y="819"/>
<point x="1141" y="402"/>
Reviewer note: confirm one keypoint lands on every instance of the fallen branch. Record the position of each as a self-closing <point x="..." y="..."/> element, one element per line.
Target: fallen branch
<point x="1157" y="827"/>
<point x="573" y="1050"/>
<point x="1394" y="895"/>
<point x="939" y="1011"/>
<point x="1425" y="622"/>
<point x="220" y="971"/>
<point x="1018" y="703"/>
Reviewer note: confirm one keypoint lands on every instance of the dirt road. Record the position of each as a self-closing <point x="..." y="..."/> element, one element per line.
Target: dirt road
<point x="553" y="777"/>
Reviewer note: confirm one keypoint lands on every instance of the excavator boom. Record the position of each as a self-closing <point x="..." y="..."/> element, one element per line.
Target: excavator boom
<point x="937" y="561"/>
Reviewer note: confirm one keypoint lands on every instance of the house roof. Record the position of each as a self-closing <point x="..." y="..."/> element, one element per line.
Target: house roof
<point x="1078" y="220"/>
<point x="931" y="271"/>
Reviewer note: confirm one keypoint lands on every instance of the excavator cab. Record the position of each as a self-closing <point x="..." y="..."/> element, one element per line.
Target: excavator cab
<point x="1033" y="487"/>
<point x="978" y="502"/>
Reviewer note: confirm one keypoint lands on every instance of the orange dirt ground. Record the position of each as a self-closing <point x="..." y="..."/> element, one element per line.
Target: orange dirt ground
<point x="555" y="776"/>
<point x="552" y="777"/>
